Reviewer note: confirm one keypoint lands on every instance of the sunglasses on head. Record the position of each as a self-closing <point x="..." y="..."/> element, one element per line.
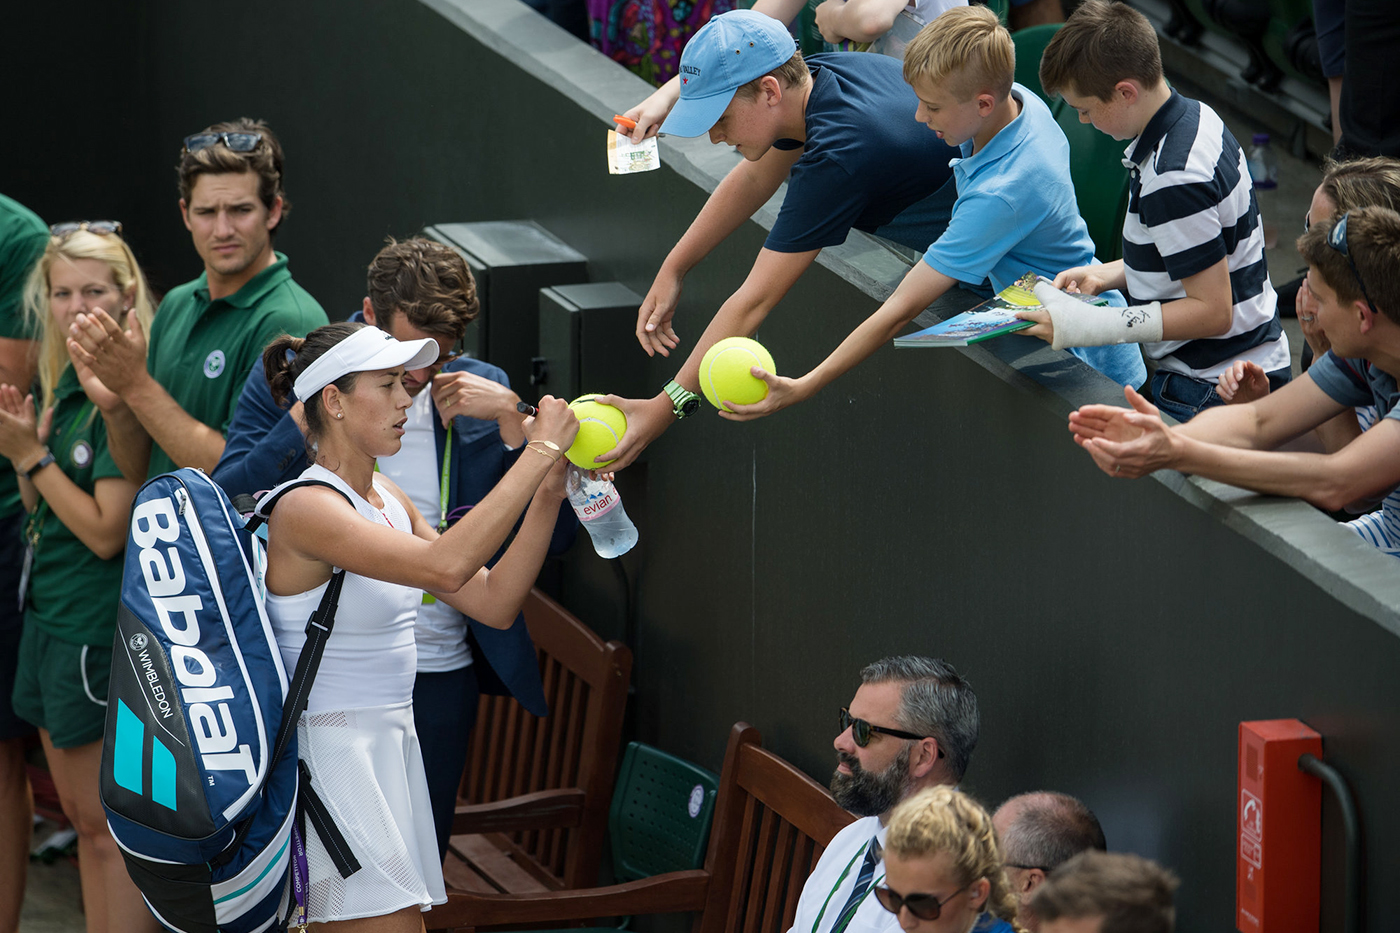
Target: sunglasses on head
<point x="923" y="906"/>
<point x="1337" y="239"/>
<point x="235" y="142"/>
<point x="100" y="227"/>
<point x="862" y="730"/>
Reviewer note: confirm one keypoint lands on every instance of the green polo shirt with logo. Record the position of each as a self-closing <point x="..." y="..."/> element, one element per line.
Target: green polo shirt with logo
<point x="73" y="593"/>
<point x="201" y="350"/>
<point x="23" y="237"/>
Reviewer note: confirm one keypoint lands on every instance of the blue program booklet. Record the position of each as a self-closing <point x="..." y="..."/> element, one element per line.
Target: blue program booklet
<point x="992" y="318"/>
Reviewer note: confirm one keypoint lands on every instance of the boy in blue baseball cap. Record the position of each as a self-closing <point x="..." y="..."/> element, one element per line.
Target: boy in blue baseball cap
<point x="839" y="129"/>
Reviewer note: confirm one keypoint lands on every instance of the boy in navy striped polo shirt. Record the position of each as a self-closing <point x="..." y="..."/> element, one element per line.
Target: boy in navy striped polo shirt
<point x="1193" y="266"/>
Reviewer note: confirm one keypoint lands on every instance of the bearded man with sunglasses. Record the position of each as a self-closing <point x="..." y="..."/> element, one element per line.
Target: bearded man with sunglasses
<point x="912" y="724"/>
<point x="181" y="390"/>
<point x="1354" y="276"/>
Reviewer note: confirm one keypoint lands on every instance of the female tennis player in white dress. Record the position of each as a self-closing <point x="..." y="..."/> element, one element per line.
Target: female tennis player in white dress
<point x="357" y="736"/>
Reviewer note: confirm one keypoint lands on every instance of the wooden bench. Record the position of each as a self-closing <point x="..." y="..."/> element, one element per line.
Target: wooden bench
<point x="772" y="823"/>
<point x="533" y="805"/>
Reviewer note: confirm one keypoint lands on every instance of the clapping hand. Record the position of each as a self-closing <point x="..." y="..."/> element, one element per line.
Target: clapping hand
<point x="116" y="357"/>
<point x="19" y="429"/>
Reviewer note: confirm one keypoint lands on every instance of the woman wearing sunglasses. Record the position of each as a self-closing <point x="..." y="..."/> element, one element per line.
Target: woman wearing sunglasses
<point x="78" y="503"/>
<point x="943" y="867"/>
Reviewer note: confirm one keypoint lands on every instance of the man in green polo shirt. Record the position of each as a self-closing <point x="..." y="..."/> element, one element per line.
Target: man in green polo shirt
<point x="208" y="332"/>
<point x="23" y="237"/>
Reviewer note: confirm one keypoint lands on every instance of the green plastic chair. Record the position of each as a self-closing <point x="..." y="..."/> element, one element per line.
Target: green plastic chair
<point x="1030" y="46"/>
<point x="660" y="818"/>
<point x="1100" y="182"/>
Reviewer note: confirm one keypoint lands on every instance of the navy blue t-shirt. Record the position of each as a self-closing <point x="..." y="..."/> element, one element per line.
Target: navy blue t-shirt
<point x="866" y="160"/>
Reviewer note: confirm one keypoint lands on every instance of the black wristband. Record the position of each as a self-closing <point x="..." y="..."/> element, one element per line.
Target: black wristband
<point x="44" y="461"/>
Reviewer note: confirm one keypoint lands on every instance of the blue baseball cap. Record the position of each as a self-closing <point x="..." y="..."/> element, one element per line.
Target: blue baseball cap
<point x="728" y="52"/>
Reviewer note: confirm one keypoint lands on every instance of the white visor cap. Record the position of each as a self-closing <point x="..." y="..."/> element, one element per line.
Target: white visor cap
<point x="366" y="350"/>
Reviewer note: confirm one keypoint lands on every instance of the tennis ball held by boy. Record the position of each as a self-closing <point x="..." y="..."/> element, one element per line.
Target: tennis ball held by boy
<point x="725" y="372"/>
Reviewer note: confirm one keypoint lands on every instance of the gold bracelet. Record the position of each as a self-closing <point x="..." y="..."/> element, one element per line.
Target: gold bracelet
<point x="550" y="444"/>
<point x="542" y="453"/>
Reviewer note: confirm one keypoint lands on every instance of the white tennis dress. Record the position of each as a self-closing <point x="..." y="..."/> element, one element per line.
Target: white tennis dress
<point x="357" y="738"/>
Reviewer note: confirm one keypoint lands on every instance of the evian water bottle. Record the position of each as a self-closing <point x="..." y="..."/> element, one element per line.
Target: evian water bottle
<point x="599" y="508"/>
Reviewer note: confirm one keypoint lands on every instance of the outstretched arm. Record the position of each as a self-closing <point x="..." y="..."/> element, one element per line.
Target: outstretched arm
<point x="1367" y="466"/>
<point x="769" y="280"/>
<point x="1134" y="442"/>
<point x="746" y="188"/>
<point x="1273" y="420"/>
<point x="922" y="286"/>
<point x="315" y="529"/>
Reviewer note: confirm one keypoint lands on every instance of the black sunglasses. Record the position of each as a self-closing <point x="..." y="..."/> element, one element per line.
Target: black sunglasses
<point x="236" y="142"/>
<point x="861" y="730"/>
<point x="100" y="227"/>
<point x="923" y="906"/>
<point x="1337" y="239"/>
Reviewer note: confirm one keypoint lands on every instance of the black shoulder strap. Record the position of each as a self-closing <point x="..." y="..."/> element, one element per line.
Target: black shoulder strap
<point x="263" y="510"/>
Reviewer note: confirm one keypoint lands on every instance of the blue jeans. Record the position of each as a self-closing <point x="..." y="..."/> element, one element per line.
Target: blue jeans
<point x="444" y="712"/>
<point x="1185" y="397"/>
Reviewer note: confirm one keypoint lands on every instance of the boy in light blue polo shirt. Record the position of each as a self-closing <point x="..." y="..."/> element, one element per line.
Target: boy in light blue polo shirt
<point x="1015" y="212"/>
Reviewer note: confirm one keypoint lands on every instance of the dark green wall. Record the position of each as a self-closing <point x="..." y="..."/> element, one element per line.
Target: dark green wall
<point x="928" y="502"/>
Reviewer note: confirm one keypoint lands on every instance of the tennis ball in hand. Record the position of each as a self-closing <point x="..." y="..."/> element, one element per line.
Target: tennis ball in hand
<point x="725" y="376"/>
<point x="600" y="427"/>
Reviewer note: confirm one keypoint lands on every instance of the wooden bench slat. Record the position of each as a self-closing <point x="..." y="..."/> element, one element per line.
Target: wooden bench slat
<point x="782" y="864"/>
<point x="493" y="865"/>
<point x="803" y="856"/>
<point x="460" y="876"/>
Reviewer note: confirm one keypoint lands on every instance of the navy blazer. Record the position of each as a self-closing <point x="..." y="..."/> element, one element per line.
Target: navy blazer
<point x="265" y="447"/>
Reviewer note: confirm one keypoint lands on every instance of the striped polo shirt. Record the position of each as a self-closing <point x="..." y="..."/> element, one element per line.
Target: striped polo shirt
<point x="1191" y="204"/>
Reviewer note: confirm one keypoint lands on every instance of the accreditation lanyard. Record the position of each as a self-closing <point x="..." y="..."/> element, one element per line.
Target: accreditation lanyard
<point x="429" y="598"/>
<point x="442" y="484"/>
<point x="843" y="922"/>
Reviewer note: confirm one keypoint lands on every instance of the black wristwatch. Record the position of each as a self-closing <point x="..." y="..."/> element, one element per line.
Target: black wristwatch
<point x="683" y="401"/>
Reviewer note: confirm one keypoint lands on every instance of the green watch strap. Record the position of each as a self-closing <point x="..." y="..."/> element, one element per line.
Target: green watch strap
<point x="683" y="401"/>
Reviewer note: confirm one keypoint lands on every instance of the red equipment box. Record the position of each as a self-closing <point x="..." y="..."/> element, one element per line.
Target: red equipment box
<point x="1279" y="855"/>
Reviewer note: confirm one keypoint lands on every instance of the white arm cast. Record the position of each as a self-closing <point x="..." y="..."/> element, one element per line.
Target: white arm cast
<point x="1080" y="324"/>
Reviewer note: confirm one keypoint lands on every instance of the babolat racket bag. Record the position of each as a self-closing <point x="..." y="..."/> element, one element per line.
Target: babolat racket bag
<point x="199" y="777"/>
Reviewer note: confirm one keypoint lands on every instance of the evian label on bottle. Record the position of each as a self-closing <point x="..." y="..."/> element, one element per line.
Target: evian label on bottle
<point x="600" y="505"/>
